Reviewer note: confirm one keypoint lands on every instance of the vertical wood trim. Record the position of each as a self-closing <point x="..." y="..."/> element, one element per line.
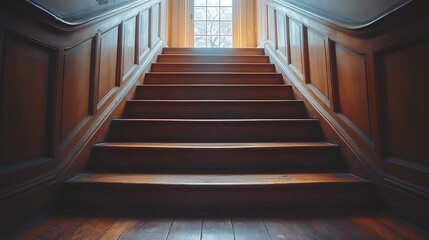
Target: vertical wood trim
<point x="329" y="70"/>
<point x="372" y="102"/>
<point x="289" y="59"/>
<point x="138" y="38"/>
<point x="305" y="55"/>
<point x="120" y="55"/>
<point x="335" y="106"/>
<point x="52" y="108"/>
<point x="2" y="36"/>
<point x="59" y="101"/>
<point x="95" y="71"/>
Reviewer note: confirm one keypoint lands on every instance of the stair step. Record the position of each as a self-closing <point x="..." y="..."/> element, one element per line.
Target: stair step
<point x="233" y="51"/>
<point x="202" y="130"/>
<point x="211" y="191"/>
<point x="214" y="92"/>
<point x="215" y="109"/>
<point x="213" y="67"/>
<point x="213" y="78"/>
<point x="233" y="157"/>
<point x="198" y="58"/>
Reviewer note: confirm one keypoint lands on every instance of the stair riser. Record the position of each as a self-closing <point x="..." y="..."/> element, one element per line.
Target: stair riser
<point x="214" y="93"/>
<point x="199" y="78"/>
<point x="237" y="51"/>
<point x="214" y="160"/>
<point x="207" y="110"/>
<point x="165" y="67"/>
<point x="212" y="59"/>
<point x="218" y="131"/>
<point x="222" y="197"/>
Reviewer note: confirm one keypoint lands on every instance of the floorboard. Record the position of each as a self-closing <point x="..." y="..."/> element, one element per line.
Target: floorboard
<point x="356" y="226"/>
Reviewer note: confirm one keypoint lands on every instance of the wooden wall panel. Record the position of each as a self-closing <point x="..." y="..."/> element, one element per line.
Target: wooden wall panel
<point x="25" y="122"/>
<point x="129" y="51"/>
<point x="404" y="87"/>
<point x="352" y="89"/>
<point x="60" y="85"/>
<point x="76" y="87"/>
<point x="367" y="85"/>
<point x="317" y="61"/>
<point x="154" y="25"/>
<point x="282" y="35"/>
<point x="272" y="30"/>
<point x="144" y="32"/>
<point x="295" y="40"/>
<point x="108" y="63"/>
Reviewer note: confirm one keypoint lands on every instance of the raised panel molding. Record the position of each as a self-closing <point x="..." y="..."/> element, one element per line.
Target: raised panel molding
<point x="107" y="81"/>
<point x="129" y="46"/>
<point x="296" y="49"/>
<point x="401" y="84"/>
<point x="154" y="25"/>
<point x="25" y="106"/>
<point x="26" y="110"/>
<point x="144" y="33"/>
<point x="76" y="89"/>
<point x="351" y="89"/>
<point x="282" y="36"/>
<point x="318" y="64"/>
<point x="272" y="29"/>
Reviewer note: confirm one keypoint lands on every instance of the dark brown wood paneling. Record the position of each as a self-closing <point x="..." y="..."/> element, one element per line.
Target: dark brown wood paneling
<point x="351" y="88"/>
<point x="76" y="87"/>
<point x="129" y="51"/>
<point x="25" y="122"/>
<point x="295" y="40"/>
<point x="108" y="63"/>
<point x="144" y="32"/>
<point x="403" y="89"/>
<point x="282" y="36"/>
<point x="317" y="60"/>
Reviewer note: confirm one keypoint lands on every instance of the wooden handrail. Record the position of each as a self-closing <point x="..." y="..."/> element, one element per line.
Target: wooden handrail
<point x="342" y="14"/>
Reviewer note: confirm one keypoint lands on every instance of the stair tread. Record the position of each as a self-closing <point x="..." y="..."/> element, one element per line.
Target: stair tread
<point x="216" y="120"/>
<point x="217" y="179"/>
<point x="216" y="101"/>
<point x="211" y="55"/>
<point x="216" y="145"/>
<point x="214" y="73"/>
<point x="216" y="85"/>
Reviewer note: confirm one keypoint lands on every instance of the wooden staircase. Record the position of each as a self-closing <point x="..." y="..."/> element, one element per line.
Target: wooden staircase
<point x="215" y="129"/>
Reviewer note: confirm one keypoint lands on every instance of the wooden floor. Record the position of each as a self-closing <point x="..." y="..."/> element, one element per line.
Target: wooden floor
<point x="344" y="226"/>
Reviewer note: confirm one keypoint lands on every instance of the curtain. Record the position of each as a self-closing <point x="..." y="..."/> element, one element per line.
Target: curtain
<point x="179" y="23"/>
<point x="244" y="23"/>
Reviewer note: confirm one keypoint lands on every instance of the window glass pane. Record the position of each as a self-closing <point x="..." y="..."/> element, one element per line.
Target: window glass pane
<point x="212" y="2"/>
<point x="226" y="3"/>
<point x="225" y="28"/>
<point x="213" y="23"/>
<point x="199" y="2"/>
<point x="200" y="41"/>
<point x="225" y="13"/>
<point x="200" y="28"/>
<point x="212" y="28"/>
<point x="225" y="42"/>
<point x="200" y="13"/>
<point x="213" y="13"/>
<point x="212" y="41"/>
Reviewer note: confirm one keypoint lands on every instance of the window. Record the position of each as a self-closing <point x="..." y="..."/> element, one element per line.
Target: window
<point x="213" y="23"/>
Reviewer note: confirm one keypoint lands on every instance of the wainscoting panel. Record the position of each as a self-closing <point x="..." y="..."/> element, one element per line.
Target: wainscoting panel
<point x="76" y="88"/>
<point x="351" y="88"/>
<point x="367" y="83"/>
